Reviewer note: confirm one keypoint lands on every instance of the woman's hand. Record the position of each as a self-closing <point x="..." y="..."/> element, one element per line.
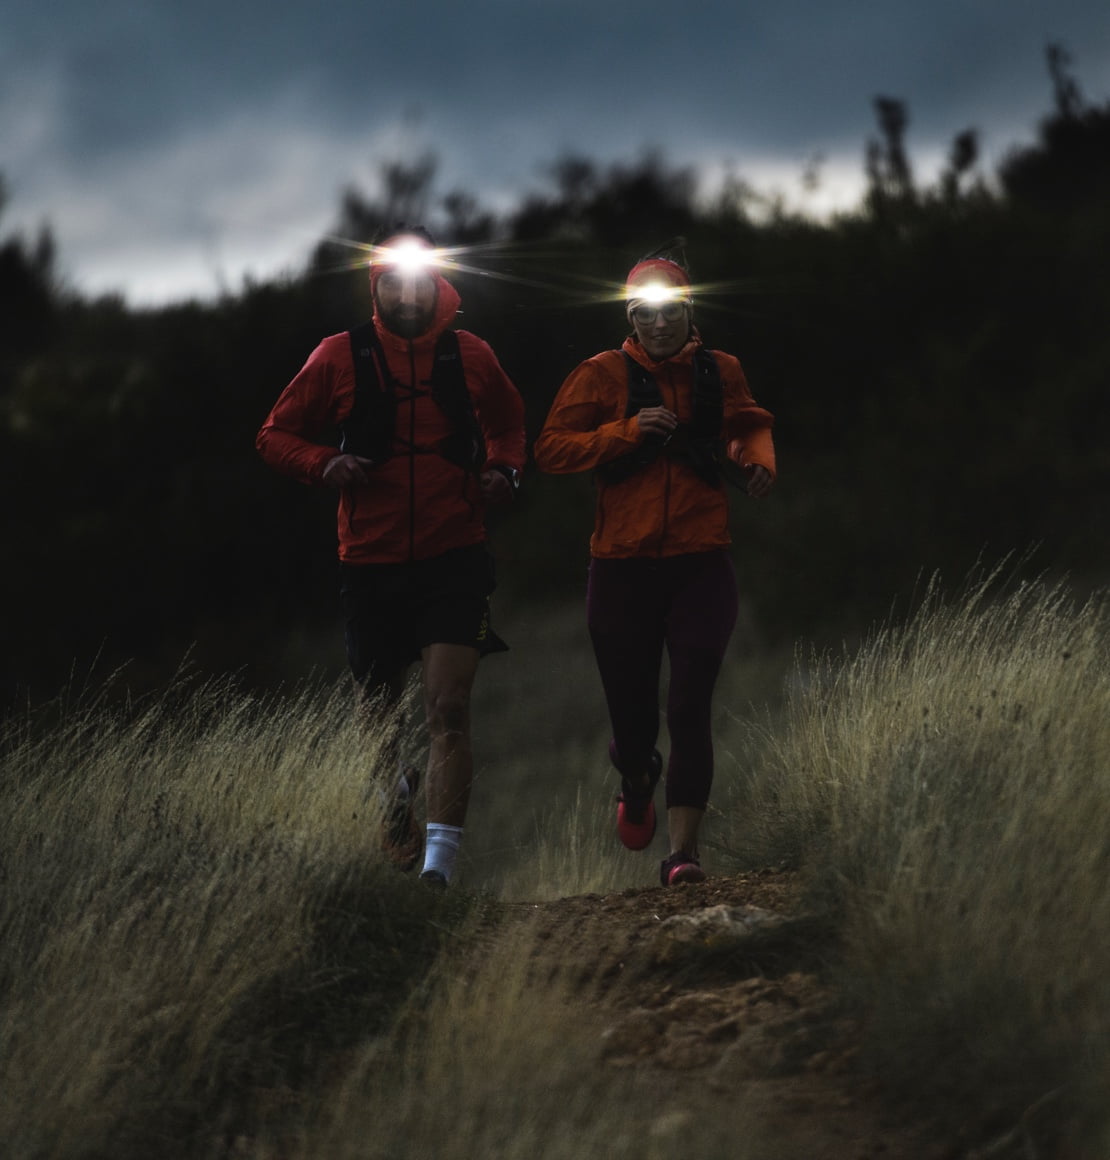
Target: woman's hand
<point x="657" y="421"/>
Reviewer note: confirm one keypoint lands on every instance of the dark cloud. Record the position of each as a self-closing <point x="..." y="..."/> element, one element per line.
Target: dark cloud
<point x="197" y="117"/>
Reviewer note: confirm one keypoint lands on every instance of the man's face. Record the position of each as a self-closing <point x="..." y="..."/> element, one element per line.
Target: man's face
<point x="661" y="326"/>
<point x="406" y="301"/>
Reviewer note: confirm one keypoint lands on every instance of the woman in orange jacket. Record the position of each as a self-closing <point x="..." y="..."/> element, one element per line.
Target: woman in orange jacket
<point x="661" y="422"/>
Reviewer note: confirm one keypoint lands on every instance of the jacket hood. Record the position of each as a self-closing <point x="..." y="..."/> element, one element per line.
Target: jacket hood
<point x="447" y="306"/>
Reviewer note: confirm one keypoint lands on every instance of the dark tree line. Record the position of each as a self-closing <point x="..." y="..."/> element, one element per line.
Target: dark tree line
<point x="938" y="360"/>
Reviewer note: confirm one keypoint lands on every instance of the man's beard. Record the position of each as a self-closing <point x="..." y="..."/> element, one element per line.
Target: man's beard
<point x="406" y="321"/>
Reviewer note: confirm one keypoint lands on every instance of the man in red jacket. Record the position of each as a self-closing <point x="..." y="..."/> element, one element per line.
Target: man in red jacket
<point x="431" y="433"/>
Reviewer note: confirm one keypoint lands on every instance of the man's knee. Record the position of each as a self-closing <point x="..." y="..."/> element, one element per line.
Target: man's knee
<point x="448" y="709"/>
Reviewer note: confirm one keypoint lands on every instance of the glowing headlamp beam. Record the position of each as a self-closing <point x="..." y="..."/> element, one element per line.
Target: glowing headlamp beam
<point x="545" y="272"/>
<point x="410" y="257"/>
<point x="656" y="293"/>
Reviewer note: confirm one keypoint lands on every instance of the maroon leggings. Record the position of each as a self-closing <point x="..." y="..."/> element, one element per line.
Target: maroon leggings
<point x="633" y="608"/>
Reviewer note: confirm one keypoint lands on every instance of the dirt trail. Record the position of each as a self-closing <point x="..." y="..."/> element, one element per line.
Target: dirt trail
<point x="717" y="989"/>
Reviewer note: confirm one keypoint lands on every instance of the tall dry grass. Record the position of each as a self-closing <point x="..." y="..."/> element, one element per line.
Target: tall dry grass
<point x="946" y="789"/>
<point x="194" y="911"/>
<point x="201" y="953"/>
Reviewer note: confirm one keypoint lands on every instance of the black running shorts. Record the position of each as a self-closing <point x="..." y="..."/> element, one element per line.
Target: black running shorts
<point x="393" y="611"/>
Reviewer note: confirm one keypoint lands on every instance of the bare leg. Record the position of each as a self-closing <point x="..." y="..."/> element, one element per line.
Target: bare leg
<point x="449" y="671"/>
<point x="683" y="823"/>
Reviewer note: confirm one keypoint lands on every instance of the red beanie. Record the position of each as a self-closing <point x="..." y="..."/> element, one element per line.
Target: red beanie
<point x="656" y="270"/>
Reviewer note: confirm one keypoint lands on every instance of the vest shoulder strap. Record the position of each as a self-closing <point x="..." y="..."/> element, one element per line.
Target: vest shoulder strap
<point x="643" y="390"/>
<point x="369" y="428"/>
<point x="466" y="445"/>
<point x="693" y="443"/>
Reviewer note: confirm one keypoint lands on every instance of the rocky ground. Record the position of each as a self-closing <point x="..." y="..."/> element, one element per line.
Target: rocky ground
<point x="719" y="989"/>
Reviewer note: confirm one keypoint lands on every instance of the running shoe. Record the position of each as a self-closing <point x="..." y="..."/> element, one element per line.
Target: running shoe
<point x="636" y="820"/>
<point x="402" y="837"/>
<point x="680" y="867"/>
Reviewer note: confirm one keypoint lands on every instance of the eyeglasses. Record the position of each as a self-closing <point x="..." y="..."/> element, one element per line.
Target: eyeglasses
<point x="645" y="312"/>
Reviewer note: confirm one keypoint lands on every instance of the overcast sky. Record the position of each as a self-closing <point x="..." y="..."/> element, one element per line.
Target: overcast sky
<point x="174" y="146"/>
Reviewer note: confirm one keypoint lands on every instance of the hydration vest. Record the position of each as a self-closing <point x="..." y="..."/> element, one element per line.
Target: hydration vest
<point x="370" y="428"/>
<point x="693" y="443"/>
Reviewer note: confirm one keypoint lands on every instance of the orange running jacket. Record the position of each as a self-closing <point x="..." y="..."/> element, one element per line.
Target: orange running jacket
<point x="416" y="504"/>
<point x="665" y="509"/>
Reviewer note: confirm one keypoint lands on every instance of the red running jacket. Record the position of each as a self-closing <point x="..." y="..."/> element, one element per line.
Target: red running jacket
<point x="416" y="504"/>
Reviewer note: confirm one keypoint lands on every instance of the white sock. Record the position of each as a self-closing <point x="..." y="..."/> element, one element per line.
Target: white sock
<point x="442" y="848"/>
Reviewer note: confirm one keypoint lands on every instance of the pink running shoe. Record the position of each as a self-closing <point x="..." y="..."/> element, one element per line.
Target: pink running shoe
<point x="636" y="820"/>
<point x="680" y="867"/>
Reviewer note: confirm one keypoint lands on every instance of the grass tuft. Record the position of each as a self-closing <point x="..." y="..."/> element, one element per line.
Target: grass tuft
<point x="194" y="911"/>
<point x="946" y="791"/>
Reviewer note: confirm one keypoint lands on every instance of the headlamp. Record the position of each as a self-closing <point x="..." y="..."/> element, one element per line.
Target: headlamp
<point x="409" y="255"/>
<point x="656" y="293"/>
<point x="652" y="298"/>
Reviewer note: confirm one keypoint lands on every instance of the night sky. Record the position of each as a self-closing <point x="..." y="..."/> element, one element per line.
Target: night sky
<point x="173" y="148"/>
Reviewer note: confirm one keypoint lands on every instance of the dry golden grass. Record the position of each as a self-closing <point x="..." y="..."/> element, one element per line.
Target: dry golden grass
<point x="573" y="851"/>
<point x="947" y="791"/>
<point x="193" y="891"/>
<point x="201" y="953"/>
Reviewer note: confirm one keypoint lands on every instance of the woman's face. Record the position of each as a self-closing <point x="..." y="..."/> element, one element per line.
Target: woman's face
<point x="661" y="327"/>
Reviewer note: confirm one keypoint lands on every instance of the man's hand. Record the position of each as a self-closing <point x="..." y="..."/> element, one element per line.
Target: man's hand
<point x="657" y="421"/>
<point x="345" y="470"/>
<point x="496" y="489"/>
<point x="759" y="480"/>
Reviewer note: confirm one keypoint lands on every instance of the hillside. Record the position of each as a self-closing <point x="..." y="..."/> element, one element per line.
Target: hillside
<point x="205" y="954"/>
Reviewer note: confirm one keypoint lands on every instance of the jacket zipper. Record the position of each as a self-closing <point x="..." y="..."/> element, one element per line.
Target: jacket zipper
<point x="412" y="454"/>
<point x="667" y="476"/>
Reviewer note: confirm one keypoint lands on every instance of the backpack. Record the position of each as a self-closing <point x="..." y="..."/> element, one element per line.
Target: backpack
<point x="370" y="428"/>
<point x="693" y="443"/>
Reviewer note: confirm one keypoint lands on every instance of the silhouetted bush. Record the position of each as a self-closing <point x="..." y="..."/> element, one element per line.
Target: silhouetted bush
<point x="938" y="362"/>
